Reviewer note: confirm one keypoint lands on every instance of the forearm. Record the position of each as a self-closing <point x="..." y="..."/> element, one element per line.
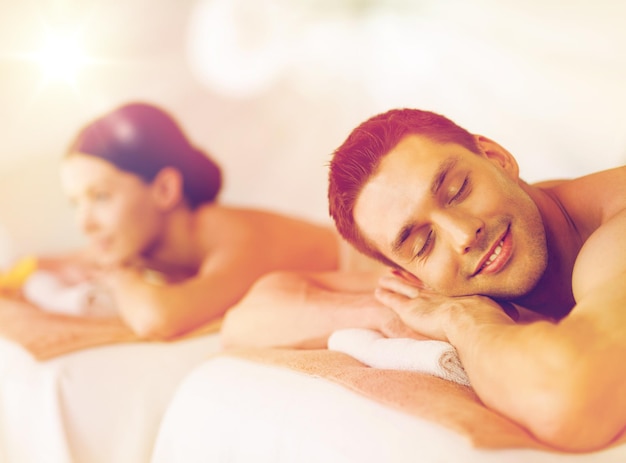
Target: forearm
<point x="143" y="308"/>
<point x="163" y="312"/>
<point x="17" y="316"/>
<point x="541" y="376"/>
<point x="506" y="363"/>
<point x="292" y="310"/>
<point x="158" y="309"/>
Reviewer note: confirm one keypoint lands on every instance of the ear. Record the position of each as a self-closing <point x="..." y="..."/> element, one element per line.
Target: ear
<point x="167" y="188"/>
<point x="498" y="155"/>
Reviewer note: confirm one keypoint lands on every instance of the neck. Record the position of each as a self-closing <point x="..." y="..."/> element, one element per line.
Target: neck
<point x="175" y="250"/>
<point x="552" y="296"/>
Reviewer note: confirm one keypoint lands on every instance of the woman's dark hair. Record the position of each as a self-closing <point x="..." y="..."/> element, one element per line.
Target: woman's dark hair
<point x="143" y="139"/>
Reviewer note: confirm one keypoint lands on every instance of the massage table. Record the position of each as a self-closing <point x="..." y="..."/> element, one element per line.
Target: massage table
<point x="97" y="405"/>
<point x="240" y="409"/>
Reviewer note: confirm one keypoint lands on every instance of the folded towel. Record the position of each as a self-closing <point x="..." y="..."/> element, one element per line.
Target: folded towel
<point x="437" y="358"/>
<point x="46" y="291"/>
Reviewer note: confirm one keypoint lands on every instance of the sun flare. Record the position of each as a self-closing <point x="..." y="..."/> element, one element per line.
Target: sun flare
<point x="61" y="58"/>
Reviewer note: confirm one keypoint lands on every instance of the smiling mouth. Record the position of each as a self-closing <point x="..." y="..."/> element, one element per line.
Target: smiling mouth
<point x="491" y="263"/>
<point x="493" y="256"/>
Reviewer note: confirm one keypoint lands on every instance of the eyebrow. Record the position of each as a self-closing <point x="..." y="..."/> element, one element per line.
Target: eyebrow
<point x="440" y="176"/>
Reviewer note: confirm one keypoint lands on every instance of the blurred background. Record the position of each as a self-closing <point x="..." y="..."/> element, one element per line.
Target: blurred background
<point x="271" y="87"/>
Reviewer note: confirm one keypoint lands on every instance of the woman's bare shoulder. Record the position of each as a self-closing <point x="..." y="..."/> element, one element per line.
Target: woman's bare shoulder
<point x="283" y="240"/>
<point x="267" y="219"/>
<point x="216" y="223"/>
<point x="233" y="223"/>
<point x="217" y="216"/>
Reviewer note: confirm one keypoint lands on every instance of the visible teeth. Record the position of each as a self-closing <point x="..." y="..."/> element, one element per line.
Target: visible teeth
<point x="495" y="254"/>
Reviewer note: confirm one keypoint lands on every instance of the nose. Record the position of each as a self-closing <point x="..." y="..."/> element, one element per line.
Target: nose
<point x="461" y="230"/>
<point x="85" y="220"/>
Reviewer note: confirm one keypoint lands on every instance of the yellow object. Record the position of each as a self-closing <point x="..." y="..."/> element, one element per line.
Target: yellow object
<point x="13" y="279"/>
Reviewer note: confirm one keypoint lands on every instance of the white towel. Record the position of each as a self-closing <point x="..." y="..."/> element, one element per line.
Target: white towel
<point x="437" y="358"/>
<point x="44" y="290"/>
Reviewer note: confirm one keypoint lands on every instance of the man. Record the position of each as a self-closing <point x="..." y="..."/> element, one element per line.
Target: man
<point x="474" y="247"/>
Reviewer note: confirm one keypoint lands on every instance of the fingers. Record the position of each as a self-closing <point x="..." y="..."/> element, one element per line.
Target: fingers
<point x="388" y="298"/>
<point x="408" y="278"/>
<point x="397" y="329"/>
<point x="399" y="286"/>
<point x="409" y="322"/>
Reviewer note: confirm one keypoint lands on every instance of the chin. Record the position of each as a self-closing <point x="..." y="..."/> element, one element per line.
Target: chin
<point x="519" y="286"/>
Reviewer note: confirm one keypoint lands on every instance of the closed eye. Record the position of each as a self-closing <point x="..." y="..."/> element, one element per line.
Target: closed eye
<point x="462" y="191"/>
<point x="427" y="244"/>
<point x="100" y="196"/>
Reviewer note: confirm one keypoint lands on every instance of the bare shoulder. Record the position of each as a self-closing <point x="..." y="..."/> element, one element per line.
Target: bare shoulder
<point x="602" y="258"/>
<point x="274" y="237"/>
<point x="600" y="195"/>
<point x="596" y="205"/>
<point x="216" y="225"/>
<point x="257" y="221"/>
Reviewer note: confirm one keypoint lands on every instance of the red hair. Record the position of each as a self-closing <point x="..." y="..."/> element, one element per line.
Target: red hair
<point x="357" y="159"/>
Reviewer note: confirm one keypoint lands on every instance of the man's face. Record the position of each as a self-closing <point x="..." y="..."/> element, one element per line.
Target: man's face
<point x="459" y="221"/>
<point x="115" y="209"/>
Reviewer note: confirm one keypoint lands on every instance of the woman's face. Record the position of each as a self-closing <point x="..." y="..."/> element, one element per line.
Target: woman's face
<point x="115" y="209"/>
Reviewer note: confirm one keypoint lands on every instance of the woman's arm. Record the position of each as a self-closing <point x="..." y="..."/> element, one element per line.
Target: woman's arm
<point x="72" y="268"/>
<point x="239" y="246"/>
<point x="161" y="310"/>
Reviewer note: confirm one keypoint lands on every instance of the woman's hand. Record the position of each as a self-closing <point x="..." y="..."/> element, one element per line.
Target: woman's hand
<point x="69" y="271"/>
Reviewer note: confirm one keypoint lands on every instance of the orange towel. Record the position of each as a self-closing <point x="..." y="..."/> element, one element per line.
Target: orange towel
<point x="46" y="335"/>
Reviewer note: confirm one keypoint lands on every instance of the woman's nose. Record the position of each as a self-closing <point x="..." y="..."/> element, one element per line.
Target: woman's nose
<point x="85" y="221"/>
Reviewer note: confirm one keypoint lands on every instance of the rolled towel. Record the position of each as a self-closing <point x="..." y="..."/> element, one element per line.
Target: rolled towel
<point x="46" y="291"/>
<point x="437" y="358"/>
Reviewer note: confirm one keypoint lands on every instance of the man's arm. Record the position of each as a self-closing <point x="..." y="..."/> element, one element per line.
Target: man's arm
<point x="564" y="381"/>
<point x="302" y="310"/>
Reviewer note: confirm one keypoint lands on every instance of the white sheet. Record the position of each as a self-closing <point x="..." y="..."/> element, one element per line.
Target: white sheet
<point x="98" y="405"/>
<point x="259" y="413"/>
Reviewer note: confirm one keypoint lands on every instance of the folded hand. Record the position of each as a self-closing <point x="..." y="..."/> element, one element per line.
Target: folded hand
<point x="428" y="312"/>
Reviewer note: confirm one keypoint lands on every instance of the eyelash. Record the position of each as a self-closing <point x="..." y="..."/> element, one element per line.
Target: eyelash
<point x="462" y="190"/>
<point x="464" y="187"/>
<point x="427" y="244"/>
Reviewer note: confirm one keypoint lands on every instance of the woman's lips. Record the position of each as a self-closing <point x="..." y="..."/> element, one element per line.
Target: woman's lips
<point x="103" y="244"/>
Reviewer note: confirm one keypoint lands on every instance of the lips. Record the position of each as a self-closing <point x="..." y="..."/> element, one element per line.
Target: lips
<point x="103" y="244"/>
<point x="496" y="257"/>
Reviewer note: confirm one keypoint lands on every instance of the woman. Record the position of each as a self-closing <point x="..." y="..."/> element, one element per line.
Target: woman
<point x="170" y="256"/>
